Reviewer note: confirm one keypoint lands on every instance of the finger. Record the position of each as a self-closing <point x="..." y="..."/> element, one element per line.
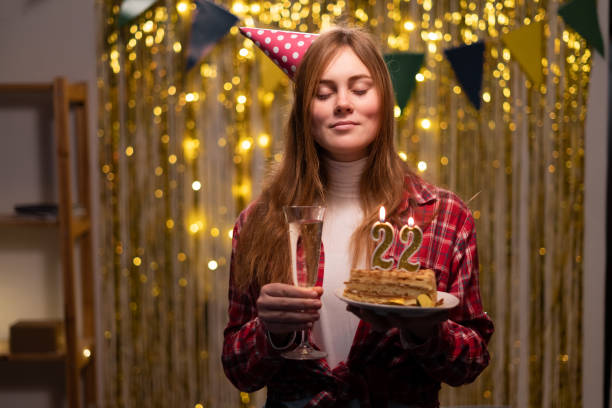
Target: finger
<point x="286" y="328"/>
<point x="284" y="290"/>
<point x="432" y="318"/>
<point x="396" y="320"/>
<point x="284" y="317"/>
<point x="353" y="310"/>
<point x="376" y="321"/>
<point x="284" y="303"/>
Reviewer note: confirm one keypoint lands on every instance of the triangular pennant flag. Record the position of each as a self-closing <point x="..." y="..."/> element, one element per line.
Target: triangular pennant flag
<point x="525" y="44"/>
<point x="130" y="9"/>
<point x="581" y="15"/>
<point x="210" y="24"/>
<point x="403" y="66"/>
<point x="467" y="62"/>
<point x="285" y="48"/>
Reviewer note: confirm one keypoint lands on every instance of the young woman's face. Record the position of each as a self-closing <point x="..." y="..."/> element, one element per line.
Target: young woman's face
<point x="346" y="108"/>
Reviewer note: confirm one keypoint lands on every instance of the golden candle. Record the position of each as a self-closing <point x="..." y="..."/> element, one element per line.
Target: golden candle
<point x="415" y="244"/>
<point x="383" y="232"/>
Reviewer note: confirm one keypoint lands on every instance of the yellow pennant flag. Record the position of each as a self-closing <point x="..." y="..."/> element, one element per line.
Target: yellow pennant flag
<point x="525" y="45"/>
<point x="271" y="74"/>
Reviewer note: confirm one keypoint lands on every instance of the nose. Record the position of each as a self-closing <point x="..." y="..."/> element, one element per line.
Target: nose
<point x="343" y="104"/>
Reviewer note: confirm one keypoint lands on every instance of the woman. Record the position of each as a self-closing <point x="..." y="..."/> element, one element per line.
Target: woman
<point x="339" y="152"/>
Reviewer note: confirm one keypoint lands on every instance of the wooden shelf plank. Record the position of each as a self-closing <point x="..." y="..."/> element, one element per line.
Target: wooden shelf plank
<point x="13" y="219"/>
<point x="80" y="224"/>
<point x="17" y="87"/>
<point x="7" y="356"/>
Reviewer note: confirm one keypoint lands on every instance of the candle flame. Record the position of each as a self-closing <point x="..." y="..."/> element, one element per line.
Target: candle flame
<point x="410" y="222"/>
<point x="381" y="214"/>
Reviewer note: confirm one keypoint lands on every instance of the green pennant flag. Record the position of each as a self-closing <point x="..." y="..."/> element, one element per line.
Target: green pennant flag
<point x="581" y="15"/>
<point x="403" y="66"/>
<point x="130" y="9"/>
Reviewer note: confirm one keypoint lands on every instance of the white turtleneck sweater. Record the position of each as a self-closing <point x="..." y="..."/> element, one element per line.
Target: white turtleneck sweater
<point x="335" y="330"/>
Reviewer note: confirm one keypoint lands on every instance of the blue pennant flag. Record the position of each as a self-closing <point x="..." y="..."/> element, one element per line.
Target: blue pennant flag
<point x="130" y="9"/>
<point x="467" y="62"/>
<point x="210" y="24"/>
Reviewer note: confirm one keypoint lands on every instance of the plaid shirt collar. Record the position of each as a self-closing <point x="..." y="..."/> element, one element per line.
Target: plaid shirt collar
<point x="418" y="191"/>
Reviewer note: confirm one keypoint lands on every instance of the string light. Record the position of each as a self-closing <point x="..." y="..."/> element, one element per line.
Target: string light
<point x="182" y="7"/>
<point x="246" y="144"/>
<point x="263" y="140"/>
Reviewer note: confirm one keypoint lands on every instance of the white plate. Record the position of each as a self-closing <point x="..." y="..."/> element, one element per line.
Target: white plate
<point x="449" y="302"/>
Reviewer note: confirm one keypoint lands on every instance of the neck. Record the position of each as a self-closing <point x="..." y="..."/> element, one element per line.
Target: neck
<point x="343" y="177"/>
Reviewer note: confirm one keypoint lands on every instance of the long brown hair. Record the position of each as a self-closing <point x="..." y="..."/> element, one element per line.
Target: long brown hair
<point x="262" y="254"/>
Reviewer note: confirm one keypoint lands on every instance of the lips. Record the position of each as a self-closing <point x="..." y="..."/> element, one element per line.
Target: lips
<point x="343" y="124"/>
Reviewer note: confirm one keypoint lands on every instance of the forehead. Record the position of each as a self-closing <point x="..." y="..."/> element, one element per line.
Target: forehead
<point x="345" y="65"/>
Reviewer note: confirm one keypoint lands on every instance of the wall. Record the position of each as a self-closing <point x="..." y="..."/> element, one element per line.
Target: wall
<point x="41" y="39"/>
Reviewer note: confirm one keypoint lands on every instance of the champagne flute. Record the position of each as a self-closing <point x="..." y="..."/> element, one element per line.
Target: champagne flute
<point x="305" y="227"/>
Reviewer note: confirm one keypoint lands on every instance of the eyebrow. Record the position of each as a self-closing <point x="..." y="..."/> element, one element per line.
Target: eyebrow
<point x="352" y="79"/>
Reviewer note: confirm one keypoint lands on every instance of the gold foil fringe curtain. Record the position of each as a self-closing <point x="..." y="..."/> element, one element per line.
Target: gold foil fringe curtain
<point x="182" y="153"/>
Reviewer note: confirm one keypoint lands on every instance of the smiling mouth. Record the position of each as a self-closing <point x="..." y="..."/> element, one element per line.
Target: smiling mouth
<point x="343" y="124"/>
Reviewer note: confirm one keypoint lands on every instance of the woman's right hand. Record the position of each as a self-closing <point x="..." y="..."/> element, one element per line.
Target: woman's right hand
<point x="284" y="308"/>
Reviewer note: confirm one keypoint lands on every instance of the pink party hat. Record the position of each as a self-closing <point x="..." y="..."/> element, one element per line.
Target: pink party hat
<point x="285" y="48"/>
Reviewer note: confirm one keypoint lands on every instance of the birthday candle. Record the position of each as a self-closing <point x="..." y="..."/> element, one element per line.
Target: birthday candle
<point x="415" y="244"/>
<point x="382" y="231"/>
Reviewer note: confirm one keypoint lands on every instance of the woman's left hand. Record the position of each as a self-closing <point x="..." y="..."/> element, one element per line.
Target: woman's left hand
<point x="420" y="327"/>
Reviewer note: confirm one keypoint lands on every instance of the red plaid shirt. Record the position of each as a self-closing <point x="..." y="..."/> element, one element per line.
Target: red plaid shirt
<point x="379" y="367"/>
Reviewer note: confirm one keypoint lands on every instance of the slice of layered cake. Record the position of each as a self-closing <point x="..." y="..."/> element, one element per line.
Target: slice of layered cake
<point x="394" y="287"/>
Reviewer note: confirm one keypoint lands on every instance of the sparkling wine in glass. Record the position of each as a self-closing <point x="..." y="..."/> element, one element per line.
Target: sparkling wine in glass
<point x="305" y="227"/>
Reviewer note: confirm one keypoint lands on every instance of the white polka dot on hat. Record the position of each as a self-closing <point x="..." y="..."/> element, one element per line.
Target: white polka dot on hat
<point x="285" y="48"/>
